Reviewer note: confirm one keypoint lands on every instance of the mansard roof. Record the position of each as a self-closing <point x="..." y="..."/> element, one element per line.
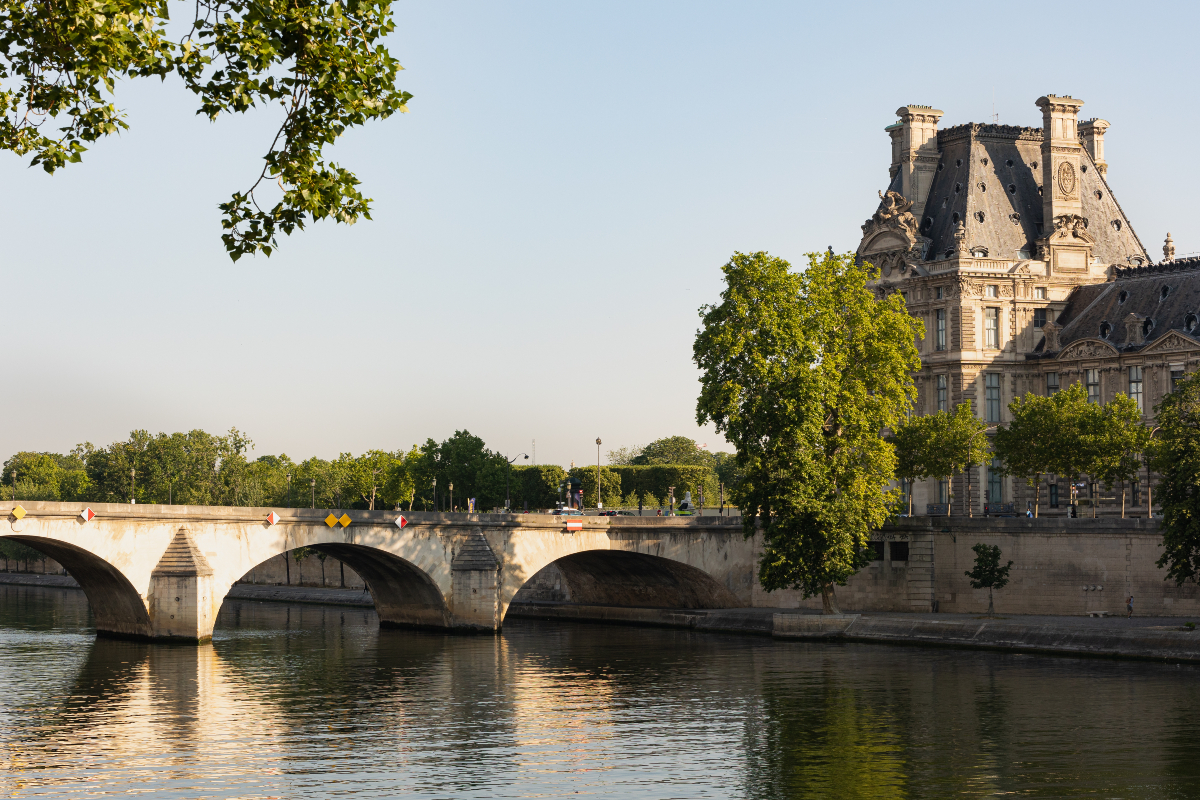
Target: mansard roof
<point x="1164" y="297"/>
<point x="989" y="176"/>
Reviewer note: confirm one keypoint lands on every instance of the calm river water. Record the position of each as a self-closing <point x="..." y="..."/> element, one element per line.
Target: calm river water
<point x="308" y="701"/>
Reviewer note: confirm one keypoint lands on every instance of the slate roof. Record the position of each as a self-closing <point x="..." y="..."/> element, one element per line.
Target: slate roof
<point x="987" y="178"/>
<point x="1138" y="291"/>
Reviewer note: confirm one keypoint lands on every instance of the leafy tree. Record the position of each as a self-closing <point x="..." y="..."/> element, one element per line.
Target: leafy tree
<point x="1117" y="445"/>
<point x="624" y="456"/>
<point x="45" y="476"/>
<point x="953" y="444"/>
<point x="610" y="485"/>
<point x="1029" y="444"/>
<point x="988" y="574"/>
<point x="673" y="450"/>
<point x="322" y="61"/>
<point x="803" y="372"/>
<point x="913" y="442"/>
<point x="1176" y="457"/>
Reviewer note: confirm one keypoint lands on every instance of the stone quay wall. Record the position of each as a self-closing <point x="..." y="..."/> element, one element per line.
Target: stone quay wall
<point x="1060" y="566"/>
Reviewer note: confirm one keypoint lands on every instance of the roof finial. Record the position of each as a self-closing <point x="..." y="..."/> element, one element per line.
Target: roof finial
<point x="1168" y="249"/>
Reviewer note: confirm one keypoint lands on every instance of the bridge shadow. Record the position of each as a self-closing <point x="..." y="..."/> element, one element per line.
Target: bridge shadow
<point x="404" y="594"/>
<point x="625" y="579"/>
<point x="116" y="605"/>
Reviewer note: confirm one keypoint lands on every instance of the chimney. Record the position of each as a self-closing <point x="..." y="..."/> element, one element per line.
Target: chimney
<point x="1061" y="153"/>
<point x="1092" y="134"/>
<point x="915" y="153"/>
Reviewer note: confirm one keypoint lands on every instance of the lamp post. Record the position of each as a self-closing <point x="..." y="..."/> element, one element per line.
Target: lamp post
<point x="435" y="505"/>
<point x="452" y="498"/>
<point x="599" y="504"/>
<point x="132" y="499"/>
<point x="289" y="480"/>
<point x="312" y="482"/>
<point x="507" y="480"/>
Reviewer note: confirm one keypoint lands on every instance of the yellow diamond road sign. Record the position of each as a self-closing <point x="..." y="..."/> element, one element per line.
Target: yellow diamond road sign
<point x="331" y="520"/>
<point x="18" y="512"/>
<point x="345" y="520"/>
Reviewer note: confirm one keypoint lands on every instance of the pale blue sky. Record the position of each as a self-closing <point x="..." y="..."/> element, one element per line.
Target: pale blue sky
<point x="548" y="218"/>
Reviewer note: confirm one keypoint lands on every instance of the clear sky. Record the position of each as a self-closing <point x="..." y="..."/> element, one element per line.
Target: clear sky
<point x="548" y="217"/>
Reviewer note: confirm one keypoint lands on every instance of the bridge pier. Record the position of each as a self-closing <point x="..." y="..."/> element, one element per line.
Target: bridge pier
<point x="181" y="602"/>
<point x="475" y="582"/>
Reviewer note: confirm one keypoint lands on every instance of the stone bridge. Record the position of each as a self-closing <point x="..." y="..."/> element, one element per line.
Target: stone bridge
<point x="162" y="572"/>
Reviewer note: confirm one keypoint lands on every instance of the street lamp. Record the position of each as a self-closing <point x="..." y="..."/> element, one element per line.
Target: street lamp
<point x="132" y="499"/>
<point x="289" y="480"/>
<point x="313" y="483"/>
<point x="435" y="505"/>
<point x="452" y="498"/>
<point x="507" y="481"/>
<point x="599" y="504"/>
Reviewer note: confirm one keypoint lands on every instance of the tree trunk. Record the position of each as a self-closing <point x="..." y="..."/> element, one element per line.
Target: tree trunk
<point x="372" y="506"/>
<point x="991" y="607"/>
<point x="1037" y="495"/>
<point x="910" y="494"/>
<point x="1122" y="499"/>
<point x="970" y="507"/>
<point x="829" y="600"/>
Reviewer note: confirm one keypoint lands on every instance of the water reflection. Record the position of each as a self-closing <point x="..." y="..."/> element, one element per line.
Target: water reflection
<point x="307" y="701"/>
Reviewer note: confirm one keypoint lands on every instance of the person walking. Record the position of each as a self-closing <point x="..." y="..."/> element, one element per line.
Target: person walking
<point x="1129" y="607"/>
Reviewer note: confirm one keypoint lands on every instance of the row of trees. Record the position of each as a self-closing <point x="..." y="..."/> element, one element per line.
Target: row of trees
<point x="198" y="468"/>
<point x="1062" y="434"/>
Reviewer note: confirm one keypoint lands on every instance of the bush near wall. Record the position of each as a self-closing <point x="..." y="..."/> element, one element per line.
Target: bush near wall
<point x="649" y="483"/>
<point x="537" y="484"/>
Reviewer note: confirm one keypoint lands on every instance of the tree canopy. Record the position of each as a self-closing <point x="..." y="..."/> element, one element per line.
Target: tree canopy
<point x="323" y="63"/>
<point x="1176" y="457"/>
<point x="803" y="372"/>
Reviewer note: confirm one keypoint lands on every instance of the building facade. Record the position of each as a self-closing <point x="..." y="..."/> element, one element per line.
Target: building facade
<point x="1008" y="243"/>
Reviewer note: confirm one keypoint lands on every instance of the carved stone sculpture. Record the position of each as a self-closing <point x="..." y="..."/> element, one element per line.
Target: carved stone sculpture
<point x="1168" y="249"/>
<point x="1133" y="329"/>
<point x="1051" y="330"/>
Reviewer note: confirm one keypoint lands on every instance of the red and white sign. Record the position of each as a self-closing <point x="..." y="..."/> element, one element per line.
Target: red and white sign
<point x="87" y="515"/>
<point x="401" y="521"/>
<point x="272" y="518"/>
<point x="575" y="525"/>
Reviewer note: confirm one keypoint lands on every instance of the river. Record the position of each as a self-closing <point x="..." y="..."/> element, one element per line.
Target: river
<point x="294" y="701"/>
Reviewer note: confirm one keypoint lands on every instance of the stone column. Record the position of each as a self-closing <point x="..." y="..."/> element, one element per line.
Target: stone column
<point x="915" y="152"/>
<point x="181" y="602"/>
<point x="475" y="575"/>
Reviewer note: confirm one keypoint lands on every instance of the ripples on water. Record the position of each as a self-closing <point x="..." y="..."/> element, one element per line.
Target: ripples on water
<point x="308" y="701"/>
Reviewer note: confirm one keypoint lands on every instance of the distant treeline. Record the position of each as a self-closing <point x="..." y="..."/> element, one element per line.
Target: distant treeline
<point x="199" y="468"/>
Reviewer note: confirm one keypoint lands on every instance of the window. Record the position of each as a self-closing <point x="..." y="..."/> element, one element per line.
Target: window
<point x="876" y="550"/>
<point x="991" y="328"/>
<point x="941" y="398"/>
<point x="1137" y="491"/>
<point x="1039" y="318"/>
<point x="899" y="550"/>
<point x="904" y="297"/>
<point x="1054" y="495"/>
<point x="943" y="491"/>
<point x="1135" y="387"/>
<point x="1039" y="293"/>
<point x="1091" y="377"/>
<point x="1176" y="377"/>
<point x="937" y="293"/>
<point x="992" y="393"/>
<point x="940" y="327"/>
<point x="992" y="291"/>
<point x="1051" y="383"/>
<point x="995" y="483"/>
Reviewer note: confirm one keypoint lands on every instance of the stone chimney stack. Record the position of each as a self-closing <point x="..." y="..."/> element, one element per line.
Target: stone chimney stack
<point x="1092" y="134"/>
<point x="1061" y="153"/>
<point x="915" y="152"/>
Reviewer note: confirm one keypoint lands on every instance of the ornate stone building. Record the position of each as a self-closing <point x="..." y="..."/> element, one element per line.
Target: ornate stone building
<point x="1008" y="243"/>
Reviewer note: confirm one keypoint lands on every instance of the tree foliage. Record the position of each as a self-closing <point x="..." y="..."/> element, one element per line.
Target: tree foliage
<point x="987" y="572"/>
<point x="321" y="62"/>
<point x="803" y="372"/>
<point x="1176" y="457"/>
<point x="1029" y="445"/>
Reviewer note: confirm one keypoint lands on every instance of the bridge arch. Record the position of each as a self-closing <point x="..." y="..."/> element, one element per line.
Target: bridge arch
<point x="405" y="595"/>
<point x="117" y="607"/>
<point x="608" y="577"/>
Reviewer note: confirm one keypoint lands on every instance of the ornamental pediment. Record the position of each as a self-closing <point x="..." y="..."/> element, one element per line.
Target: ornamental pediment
<point x="1087" y="348"/>
<point x="1174" y="340"/>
